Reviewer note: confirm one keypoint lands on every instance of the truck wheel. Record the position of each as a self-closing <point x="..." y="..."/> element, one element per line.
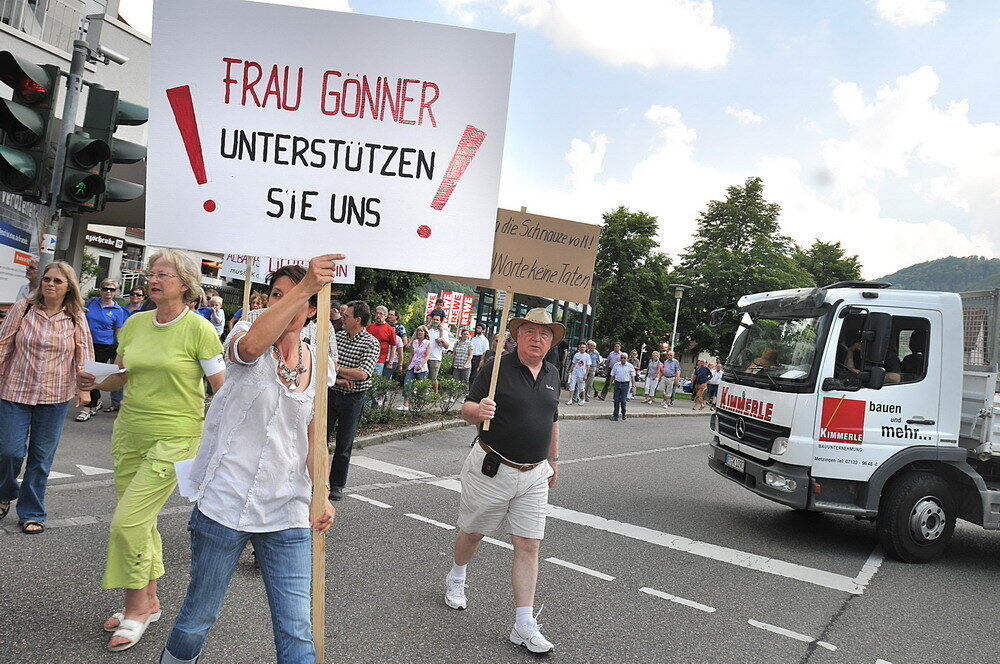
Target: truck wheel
<point x="916" y="517"/>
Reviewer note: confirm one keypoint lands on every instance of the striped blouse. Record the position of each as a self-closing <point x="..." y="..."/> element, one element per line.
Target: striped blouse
<point x="40" y="356"/>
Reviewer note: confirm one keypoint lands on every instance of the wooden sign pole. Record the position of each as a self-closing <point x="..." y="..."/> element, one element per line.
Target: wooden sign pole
<point x="247" y="285"/>
<point x="501" y="337"/>
<point x="319" y="471"/>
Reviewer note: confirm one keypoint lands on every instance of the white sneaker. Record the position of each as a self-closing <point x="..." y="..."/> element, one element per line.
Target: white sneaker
<point x="403" y="408"/>
<point x="530" y="636"/>
<point x="454" y="593"/>
<point x="569" y="403"/>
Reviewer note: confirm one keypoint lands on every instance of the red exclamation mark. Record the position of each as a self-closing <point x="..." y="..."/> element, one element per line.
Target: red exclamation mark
<point x="468" y="145"/>
<point x="183" y="106"/>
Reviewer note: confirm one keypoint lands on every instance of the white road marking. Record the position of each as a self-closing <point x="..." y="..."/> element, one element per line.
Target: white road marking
<point x="869" y="569"/>
<point x="446" y="526"/>
<point x="370" y="501"/>
<point x="388" y="468"/>
<point x="91" y="470"/>
<point x="506" y="545"/>
<point x="580" y="568"/>
<point x="790" y="634"/>
<point x="679" y="600"/>
<point x="819" y="577"/>
<point x="882" y="661"/>
<point x="713" y="551"/>
<point x="635" y="453"/>
<point x="53" y="475"/>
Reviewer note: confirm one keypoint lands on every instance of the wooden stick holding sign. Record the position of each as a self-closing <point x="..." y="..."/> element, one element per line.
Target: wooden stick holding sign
<point x="247" y="285"/>
<point x="318" y="470"/>
<point x="501" y="338"/>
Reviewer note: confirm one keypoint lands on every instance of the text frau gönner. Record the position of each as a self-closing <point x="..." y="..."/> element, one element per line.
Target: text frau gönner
<point x="405" y="101"/>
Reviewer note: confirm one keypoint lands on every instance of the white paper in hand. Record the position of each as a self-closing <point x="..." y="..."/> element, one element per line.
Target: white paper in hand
<point x="183" y="472"/>
<point x="101" y="370"/>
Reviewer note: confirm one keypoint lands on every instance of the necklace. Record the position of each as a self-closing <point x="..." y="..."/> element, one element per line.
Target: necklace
<point x="289" y="374"/>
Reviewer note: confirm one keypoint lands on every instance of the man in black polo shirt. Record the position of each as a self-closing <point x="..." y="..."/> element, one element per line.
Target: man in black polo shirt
<point x="508" y="473"/>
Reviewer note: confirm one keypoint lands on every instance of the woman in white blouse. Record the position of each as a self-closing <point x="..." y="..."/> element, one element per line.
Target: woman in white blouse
<point x="251" y="474"/>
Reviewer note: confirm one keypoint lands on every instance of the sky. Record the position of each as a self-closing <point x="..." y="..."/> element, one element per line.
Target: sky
<point x="871" y="122"/>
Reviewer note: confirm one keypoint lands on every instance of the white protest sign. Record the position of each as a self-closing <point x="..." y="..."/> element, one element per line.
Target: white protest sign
<point x="234" y="267"/>
<point x="289" y="132"/>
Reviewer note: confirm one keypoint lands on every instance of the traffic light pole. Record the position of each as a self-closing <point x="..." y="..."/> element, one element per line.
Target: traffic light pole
<point x="71" y="104"/>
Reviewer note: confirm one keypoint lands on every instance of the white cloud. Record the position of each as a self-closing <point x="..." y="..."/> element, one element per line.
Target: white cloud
<point x="888" y="136"/>
<point x="463" y="10"/>
<point x="744" y="115"/>
<point x="139" y="13"/>
<point x="910" y="13"/>
<point x="673" y="34"/>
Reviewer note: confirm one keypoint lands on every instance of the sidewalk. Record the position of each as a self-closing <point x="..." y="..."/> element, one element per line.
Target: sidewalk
<point x="595" y="409"/>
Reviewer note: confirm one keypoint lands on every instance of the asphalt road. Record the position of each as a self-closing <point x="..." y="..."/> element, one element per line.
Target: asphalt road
<point x="649" y="557"/>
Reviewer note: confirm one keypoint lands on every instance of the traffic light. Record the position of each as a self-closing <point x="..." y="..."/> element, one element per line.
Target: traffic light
<point x="105" y="113"/>
<point x="26" y="123"/>
<point x="82" y="181"/>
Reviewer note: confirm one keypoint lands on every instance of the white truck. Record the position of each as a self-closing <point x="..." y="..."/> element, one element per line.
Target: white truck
<point x="863" y="400"/>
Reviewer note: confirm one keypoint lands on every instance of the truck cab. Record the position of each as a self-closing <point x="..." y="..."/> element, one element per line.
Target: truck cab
<point x="867" y="401"/>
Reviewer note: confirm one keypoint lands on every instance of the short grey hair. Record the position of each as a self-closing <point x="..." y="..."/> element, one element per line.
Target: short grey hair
<point x="187" y="271"/>
<point x="384" y="310"/>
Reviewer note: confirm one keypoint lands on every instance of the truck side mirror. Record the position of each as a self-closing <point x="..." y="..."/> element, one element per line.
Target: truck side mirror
<point x="717" y="316"/>
<point x="875" y="378"/>
<point x="878" y="328"/>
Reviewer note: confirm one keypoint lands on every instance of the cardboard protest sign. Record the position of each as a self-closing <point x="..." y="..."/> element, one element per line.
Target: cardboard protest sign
<point x="234" y="267"/>
<point x="285" y="131"/>
<point x="541" y="256"/>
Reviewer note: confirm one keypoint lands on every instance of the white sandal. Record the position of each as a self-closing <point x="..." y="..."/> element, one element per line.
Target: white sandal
<point x="131" y="630"/>
<point x="120" y="616"/>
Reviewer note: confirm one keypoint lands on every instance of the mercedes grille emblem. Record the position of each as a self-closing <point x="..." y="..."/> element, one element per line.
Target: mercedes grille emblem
<point x="741" y="427"/>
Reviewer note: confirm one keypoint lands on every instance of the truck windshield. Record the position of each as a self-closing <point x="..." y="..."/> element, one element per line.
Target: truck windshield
<point x="775" y="350"/>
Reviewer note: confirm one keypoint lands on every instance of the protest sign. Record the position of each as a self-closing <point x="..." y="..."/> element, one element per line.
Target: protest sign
<point x="234" y="267"/>
<point x="457" y="307"/>
<point x="541" y="256"/>
<point x="285" y="131"/>
<point x="19" y="228"/>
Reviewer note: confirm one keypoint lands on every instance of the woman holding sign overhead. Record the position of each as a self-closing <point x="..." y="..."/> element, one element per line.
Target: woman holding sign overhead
<point x="44" y="342"/>
<point x="261" y="416"/>
<point x="166" y="353"/>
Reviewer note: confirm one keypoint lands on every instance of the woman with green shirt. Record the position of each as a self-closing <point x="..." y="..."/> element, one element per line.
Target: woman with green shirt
<point x="165" y="354"/>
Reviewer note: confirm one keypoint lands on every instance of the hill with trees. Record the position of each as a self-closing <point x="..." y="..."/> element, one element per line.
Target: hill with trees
<point x="952" y="274"/>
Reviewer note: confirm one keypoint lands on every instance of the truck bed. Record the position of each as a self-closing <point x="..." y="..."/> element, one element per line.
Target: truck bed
<point x="979" y="432"/>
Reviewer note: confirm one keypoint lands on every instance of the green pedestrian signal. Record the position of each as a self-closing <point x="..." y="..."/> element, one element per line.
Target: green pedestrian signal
<point x="82" y="181"/>
<point x="25" y="125"/>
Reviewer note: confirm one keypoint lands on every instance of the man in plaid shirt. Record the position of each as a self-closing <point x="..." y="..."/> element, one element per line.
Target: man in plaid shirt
<point x="358" y="352"/>
<point x="461" y="367"/>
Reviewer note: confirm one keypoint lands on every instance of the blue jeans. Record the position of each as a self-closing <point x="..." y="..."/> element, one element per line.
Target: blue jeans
<point x="389" y="369"/>
<point x="285" y="558"/>
<point x="32" y="432"/>
<point x="411" y="376"/>
<point x="621" y="396"/>
<point x="343" y="412"/>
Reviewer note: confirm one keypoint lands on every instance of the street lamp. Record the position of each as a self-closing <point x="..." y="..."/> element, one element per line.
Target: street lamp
<point x="678" y="294"/>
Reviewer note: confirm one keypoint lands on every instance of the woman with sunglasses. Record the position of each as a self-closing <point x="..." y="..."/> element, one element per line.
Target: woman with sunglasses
<point x="44" y="342"/>
<point x="136" y="300"/>
<point x="105" y="317"/>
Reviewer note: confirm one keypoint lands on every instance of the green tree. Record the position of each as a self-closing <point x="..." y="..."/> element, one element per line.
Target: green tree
<point x="392" y="288"/>
<point x="828" y="263"/>
<point x="633" y="274"/>
<point x="738" y="249"/>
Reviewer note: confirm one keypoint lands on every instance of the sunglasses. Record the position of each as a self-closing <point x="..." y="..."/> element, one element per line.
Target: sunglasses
<point x="105" y="288"/>
<point x="52" y="280"/>
<point x="137" y="294"/>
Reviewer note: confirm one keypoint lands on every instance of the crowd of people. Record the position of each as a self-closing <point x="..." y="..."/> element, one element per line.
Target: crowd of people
<point x="172" y="345"/>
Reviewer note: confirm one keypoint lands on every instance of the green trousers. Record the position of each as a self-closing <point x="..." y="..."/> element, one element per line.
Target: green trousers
<point x="144" y="479"/>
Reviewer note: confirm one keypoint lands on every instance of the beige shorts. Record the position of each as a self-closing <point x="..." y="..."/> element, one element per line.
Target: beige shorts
<point x="520" y="498"/>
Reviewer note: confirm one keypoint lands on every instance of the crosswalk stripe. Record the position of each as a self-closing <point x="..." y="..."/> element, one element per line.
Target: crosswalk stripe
<point x="92" y="470"/>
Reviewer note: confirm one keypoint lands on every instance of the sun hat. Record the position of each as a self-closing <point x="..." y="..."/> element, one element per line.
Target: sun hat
<point x="538" y="316"/>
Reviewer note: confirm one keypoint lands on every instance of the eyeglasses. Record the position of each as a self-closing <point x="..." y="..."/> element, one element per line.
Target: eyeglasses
<point x="108" y="288"/>
<point x="161" y="275"/>
<point x="137" y="294"/>
<point x="52" y="280"/>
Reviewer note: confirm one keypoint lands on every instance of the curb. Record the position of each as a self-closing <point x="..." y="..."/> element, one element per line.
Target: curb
<point x="409" y="432"/>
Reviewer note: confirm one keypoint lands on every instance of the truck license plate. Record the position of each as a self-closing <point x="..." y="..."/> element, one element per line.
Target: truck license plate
<point x="736" y="463"/>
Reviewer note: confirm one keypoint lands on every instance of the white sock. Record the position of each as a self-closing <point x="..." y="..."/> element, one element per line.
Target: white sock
<point x="522" y="616"/>
<point x="458" y="572"/>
